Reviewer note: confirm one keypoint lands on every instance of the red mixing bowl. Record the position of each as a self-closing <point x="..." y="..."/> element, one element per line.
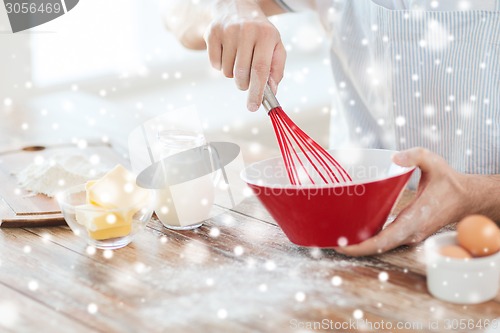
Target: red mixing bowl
<point x="331" y="215"/>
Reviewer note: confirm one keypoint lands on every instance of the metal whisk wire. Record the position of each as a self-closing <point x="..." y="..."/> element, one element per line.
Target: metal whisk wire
<point x="289" y="135"/>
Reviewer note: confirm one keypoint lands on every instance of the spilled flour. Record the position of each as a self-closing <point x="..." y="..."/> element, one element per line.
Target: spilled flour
<point x="51" y="175"/>
<point x="268" y="291"/>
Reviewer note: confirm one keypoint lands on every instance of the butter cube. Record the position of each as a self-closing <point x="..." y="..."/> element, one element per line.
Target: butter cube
<point x="103" y="225"/>
<point x="111" y="202"/>
<point x="117" y="189"/>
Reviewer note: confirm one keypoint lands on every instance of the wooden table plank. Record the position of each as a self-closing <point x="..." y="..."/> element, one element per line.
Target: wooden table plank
<point x="237" y="274"/>
<point x="69" y="282"/>
<point x="359" y="275"/>
<point x="17" y="309"/>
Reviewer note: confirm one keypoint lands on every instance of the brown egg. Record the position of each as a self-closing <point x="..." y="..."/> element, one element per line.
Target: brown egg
<point x="479" y="235"/>
<point x="455" y="251"/>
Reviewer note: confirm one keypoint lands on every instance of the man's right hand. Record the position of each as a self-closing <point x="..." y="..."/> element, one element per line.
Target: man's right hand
<point x="244" y="44"/>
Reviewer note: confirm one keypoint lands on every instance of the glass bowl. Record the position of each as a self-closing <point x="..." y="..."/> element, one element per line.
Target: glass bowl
<point x="101" y="227"/>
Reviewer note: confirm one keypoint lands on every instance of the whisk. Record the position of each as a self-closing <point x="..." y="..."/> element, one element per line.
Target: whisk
<point x="313" y="163"/>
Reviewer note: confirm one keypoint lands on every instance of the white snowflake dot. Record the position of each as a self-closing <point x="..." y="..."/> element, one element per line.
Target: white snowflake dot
<point x="316" y="253"/>
<point x="214" y="232"/>
<point x="429" y="110"/>
<point x="140" y="267"/>
<point x="383" y="276"/>
<point x="82" y="144"/>
<point x="238" y="250"/>
<point x="33" y="285"/>
<point x="464" y="5"/>
<point x="270" y="265"/>
<point x="92" y="308"/>
<point x="342" y="241"/>
<point x="111" y="219"/>
<point x="358" y="314"/>
<point x="90" y="250"/>
<point x="128" y="188"/>
<point x="300" y="296"/>
<point x="108" y="254"/>
<point x="46" y="237"/>
<point x="400" y="121"/>
<point x="336" y="280"/>
<point x="222" y="313"/>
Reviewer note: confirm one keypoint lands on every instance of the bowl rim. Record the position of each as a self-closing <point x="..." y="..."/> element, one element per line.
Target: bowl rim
<point x="404" y="170"/>
<point x="63" y="203"/>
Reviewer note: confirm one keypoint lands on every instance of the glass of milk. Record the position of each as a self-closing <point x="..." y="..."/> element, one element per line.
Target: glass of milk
<point x="185" y="206"/>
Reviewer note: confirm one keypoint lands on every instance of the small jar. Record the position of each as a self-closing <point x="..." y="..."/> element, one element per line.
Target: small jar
<point x="184" y="206"/>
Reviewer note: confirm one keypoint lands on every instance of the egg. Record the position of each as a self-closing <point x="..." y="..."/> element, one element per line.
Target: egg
<point x="478" y="235"/>
<point x="455" y="251"/>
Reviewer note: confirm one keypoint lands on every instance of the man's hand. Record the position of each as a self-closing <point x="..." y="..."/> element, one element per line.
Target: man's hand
<point x="244" y="44"/>
<point x="444" y="196"/>
<point x="241" y="41"/>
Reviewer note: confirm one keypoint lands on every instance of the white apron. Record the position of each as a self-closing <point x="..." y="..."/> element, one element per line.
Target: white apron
<point x="417" y="78"/>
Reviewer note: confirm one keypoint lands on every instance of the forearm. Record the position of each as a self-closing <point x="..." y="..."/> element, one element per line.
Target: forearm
<point x="188" y="21"/>
<point x="485" y="195"/>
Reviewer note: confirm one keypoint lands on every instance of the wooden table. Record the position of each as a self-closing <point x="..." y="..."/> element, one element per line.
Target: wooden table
<point x="237" y="273"/>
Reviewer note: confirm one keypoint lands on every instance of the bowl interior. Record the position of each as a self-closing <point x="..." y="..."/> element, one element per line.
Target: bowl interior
<point x="363" y="165"/>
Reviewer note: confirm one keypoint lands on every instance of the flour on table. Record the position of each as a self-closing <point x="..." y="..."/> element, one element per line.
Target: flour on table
<point x="51" y="175"/>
